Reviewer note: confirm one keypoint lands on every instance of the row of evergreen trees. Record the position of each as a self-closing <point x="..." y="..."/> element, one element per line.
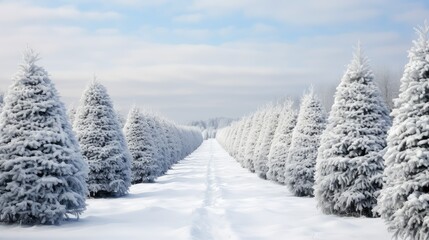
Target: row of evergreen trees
<point x="351" y="162"/>
<point x="278" y="143"/>
<point x="144" y="149"/>
<point x="48" y="168"/>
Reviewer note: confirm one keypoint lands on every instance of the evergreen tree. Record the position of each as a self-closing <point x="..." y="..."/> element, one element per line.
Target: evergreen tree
<point x="266" y="113"/>
<point x="140" y="138"/>
<point x="252" y="140"/>
<point x="71" y="113"/>
<point x="103" y="144"/>
<point x="42" y="173"/>
<point x="236" y="143"/>
<point x="403" y="201"/>
<point x="121" y="118"/>
<point x="231" y="138"/>
<point x="1" y="101"/>
<point x="176" y="147"/>
<point x="247" y="125"/>
<point x="300" y="167"/>
<point x="270" y="125"/>
<point x="161" y="145"/>
<point x="159" y="158"/>
<point x="282" y="140"/>
<point x="169" y="141"/>
<point x="349" y="165"/>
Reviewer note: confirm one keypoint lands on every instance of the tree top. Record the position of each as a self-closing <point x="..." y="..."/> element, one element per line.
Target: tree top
<point x="422" y="31"/>
<point x="30" y="56"/>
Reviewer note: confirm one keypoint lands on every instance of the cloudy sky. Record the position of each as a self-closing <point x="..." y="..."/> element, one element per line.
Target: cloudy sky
<point x="195" y="59"/>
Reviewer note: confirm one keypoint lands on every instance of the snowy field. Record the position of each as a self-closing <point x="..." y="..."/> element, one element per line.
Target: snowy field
<point x="206" y="196"/>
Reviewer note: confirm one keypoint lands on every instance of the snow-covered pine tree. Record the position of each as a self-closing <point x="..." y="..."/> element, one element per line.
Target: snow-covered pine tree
<point x="259" y="142"/>
<point x="186" y="144"/>
<point x="349" y="164"/>
<point x="260" y="139"/>
<point x="300" y="167"/>
<point x="121" y="118"/>
<point x="282" y="139"/>
<point x="244" y="137"/>
<point x="236" y="143"/>
<point x="252" y="140"/>
<point x="177" y="143"/>
<point x="103" y="143"/>
<point x="232" y="137"/>
<point x="270" y="125"/>
<point x="171" y="142"/>
<point x="1" y="100"/>
<point x="139" y="135"/>
<point x="404" y="199"/>
<point x="160" y="166"/>
<point x="42" y="172"/>
<point x="71" y="113"/>
<point x="161" y="145"/>
<point x="182" y="144"/>
<point x="192" y="138"/>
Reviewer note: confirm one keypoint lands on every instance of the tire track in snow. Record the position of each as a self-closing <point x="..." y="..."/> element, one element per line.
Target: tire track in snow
<point x="210" y="221"/>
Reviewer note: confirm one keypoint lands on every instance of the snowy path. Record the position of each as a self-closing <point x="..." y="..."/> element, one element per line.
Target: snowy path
<point x="206" y="196"/>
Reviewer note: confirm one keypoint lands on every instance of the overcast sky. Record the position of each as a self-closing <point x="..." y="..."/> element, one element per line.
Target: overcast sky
<point x="195" y="59"/>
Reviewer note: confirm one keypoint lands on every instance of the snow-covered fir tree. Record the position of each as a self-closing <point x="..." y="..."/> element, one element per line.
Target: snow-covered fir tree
<point x="266" y="113"/>
<point x="270" y="126"/>
<point x="244" y="138"/>
<point x="185" y="146"/>
<point x="349" y="165"/>
<point x="42" y="172"/>
<point x="161" y="145"/>
<point x="280" y="146"/>
<point x="140" y="139"/>
<point x="236" y="143"/>
<point x="176" y="146"/>
<point x="159" y="152"/>
<point x="404" y="199"/>
<point x="1" y="100"/>
<point x="166" y="126"/>
<point x="252" y="140"/>
<point x="232" y="137"/>
<point x="300" y="167"/>
<point x="121" y="118"/>
<point x="103" y="143"/>
<point x="71" y="113"/>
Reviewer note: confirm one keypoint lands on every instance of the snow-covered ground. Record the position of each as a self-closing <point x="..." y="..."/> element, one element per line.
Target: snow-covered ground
<point x="206" y="196"/>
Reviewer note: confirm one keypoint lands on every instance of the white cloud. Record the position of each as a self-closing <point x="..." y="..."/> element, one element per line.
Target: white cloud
<point x="315" y="12"/>
<point x="187" y="34"/>
<point x="413" y="16"/>
<point x="19" y="12"/>
<point x="107" y="31"/>
<point x="261" y="28"/>
<point x="124" y="3"/>
<point x="192" y="33"/>
<point x="306" y="12"/>
<point x="189" y="18"/>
